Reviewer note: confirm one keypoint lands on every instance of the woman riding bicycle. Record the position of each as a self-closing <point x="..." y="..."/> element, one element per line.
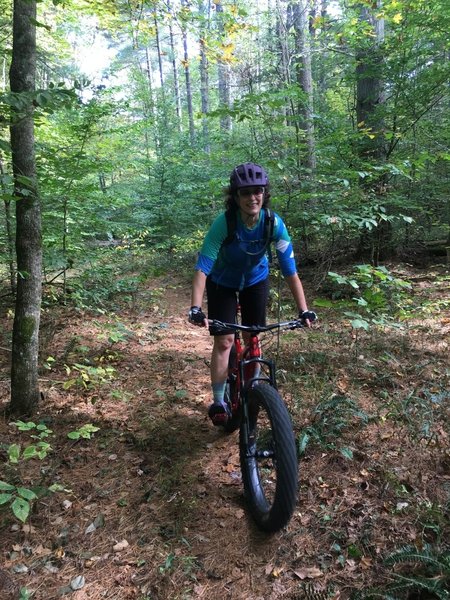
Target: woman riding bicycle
<point x="234" y="266"/>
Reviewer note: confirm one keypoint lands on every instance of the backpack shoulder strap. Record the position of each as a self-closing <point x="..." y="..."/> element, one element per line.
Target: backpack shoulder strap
<point x="269" y="224"/>
<point x="231" y="218"/>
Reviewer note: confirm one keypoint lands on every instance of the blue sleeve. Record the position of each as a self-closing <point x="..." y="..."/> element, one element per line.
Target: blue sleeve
<point x="212" y="244"/>
<point x="283" y="245"/>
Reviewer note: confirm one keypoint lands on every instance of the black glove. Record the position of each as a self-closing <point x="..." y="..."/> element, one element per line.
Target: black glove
<point x="196" y="315"/>
<point x="307" y="314"/>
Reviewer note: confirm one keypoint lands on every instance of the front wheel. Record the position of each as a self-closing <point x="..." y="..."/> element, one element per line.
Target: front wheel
<point x="268" y="458"/>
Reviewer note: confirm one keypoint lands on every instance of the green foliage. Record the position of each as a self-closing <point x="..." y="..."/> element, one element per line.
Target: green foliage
<point x="332" y="418"/>
<point x="84" y="432"/>
<point x="114" y="332"/>
<point x="424" y="573"/>
<point x="380" y="296"/>
<point x="88" y="377"/>
<point x="40" y="449"/>
<point x="20" y="498"/>
<point x="419" y="411"/>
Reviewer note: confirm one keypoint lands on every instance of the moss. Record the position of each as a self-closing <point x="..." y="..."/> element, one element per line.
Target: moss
<point x="27" y="328"/>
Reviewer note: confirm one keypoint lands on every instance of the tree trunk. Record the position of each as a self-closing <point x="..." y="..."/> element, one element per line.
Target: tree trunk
<point x="25" y="346"/>
<point x="369" y="90"/>
<point x="304" y="78"/>
<point x="204" y="75"/>
<point x="176" y="83"/>
<point x="9" y="234"/>
<point x="223" y="75"/>
<point x="158" y="49"/>
<point x="187" y="75"/>
<point x="377" y="245"/>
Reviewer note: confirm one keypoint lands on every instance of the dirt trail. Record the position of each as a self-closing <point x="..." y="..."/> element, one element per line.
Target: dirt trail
<point x="156" y="509"/>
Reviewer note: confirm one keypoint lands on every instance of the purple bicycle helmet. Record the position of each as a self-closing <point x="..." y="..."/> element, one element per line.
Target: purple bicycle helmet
<point x="246" y="175"/>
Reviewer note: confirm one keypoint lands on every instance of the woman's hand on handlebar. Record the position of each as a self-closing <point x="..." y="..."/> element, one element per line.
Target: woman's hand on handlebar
<point x="307" y="317"/>
<point x="197" y="317"/>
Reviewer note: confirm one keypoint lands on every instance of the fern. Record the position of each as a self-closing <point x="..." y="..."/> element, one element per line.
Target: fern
<point x="331" y="418"/>
<point x="410" y="554"/>
<point x="428" y="575"/>
<point x="311" y="592"/>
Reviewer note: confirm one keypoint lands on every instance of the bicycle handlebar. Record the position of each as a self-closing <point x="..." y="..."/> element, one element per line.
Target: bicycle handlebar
<point x="295" y="324"/>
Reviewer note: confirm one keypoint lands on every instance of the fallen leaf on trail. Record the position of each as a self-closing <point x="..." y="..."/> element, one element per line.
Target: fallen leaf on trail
<point x="120" y="546"/>
<point x="59" y="553"/>
<point x="199" y="590"/>
<point x="41" y="550"/>
<point x="77" y="583"/>
<point x="236" y="573"/>
<point x="308" y="573"/>
<point x="366" y="562"/>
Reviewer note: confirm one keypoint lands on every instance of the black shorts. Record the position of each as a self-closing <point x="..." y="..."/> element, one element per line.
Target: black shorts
<point x="223" y="301"/>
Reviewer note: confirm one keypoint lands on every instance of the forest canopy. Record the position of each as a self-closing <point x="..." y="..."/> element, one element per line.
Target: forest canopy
<point x="345" y="104"/>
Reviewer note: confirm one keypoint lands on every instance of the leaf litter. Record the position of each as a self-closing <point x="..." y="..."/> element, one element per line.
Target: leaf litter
<point x="161" y="488"/>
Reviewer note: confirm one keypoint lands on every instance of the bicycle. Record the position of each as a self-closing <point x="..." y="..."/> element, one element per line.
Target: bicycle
<point x="267" y="447"/>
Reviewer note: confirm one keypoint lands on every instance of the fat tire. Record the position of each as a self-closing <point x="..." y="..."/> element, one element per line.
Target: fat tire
<point x="265" y="406"/>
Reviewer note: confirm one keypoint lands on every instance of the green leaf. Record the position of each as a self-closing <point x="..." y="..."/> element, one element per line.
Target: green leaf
<point x="14" y="453"/>
<point x="6" y="487"/>
<point x="26" y="493"/>
<point x="360" y="324"/>
<point x="69" y="383"/>
<point x="30" y="452"/>
<point x="303" y="442"/>
<point x="346" y="453"/>
<point x="4" y="498"/>
<point x="21" y="509"/>
<point x="57" y="487"/>
<point x="22" y="426"/>
<point x="323" y="302"/>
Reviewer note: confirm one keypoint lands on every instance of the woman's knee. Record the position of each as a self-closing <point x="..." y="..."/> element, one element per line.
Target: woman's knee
<point x="222" y="343"/>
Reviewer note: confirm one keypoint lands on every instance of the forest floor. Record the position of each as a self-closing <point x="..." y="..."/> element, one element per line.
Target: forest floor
<point x="153" y="506"/>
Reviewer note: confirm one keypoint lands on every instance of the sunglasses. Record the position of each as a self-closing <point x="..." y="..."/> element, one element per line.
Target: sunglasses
<point x="250" y="191"/>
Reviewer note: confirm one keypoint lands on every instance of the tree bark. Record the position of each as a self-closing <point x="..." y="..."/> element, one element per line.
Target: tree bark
<point x="204" y="75"/>
<point x="25" y="343"/>
<point x="9" y="233"/>
<point x="369" y="88"/>
<point x="176" y="83"/>
<point x="304" y="78"/>
<point x="377" y="245"/>
<point x="187" y="75"/>
<point x="223" y="75"/>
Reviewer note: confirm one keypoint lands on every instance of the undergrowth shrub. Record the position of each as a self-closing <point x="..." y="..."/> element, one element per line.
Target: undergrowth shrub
<point x="330" y="421"/>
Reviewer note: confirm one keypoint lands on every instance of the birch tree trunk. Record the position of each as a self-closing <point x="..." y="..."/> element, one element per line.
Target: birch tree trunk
<point x="25" y="342"/>
<point x="176" y="83"/>
<point x="187" y="75"/>
<point x="204" y="73"/>
<point x="304" y="78"/>
<point x="223" y="75"/>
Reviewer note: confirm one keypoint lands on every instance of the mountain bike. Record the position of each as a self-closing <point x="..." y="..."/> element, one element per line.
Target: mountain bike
<point x="267" y="448"/>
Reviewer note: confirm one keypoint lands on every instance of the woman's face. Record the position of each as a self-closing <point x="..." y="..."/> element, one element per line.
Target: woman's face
<point x="250" y="201"/>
